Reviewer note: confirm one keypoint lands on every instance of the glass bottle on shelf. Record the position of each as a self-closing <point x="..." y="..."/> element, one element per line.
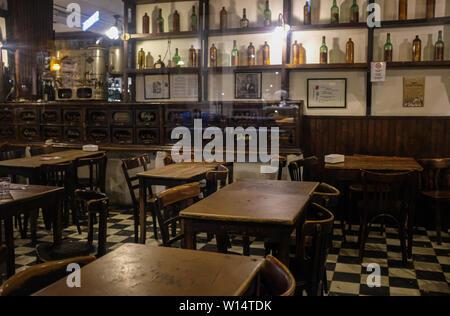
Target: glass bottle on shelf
<point x="213" y="56"/>
<point x="145" y="24"/>
<point x="295" y="53"/>
<point x="149" y="61"/>
<point x="403" y="10"/>
<point x="235" y="55"/>
<point x="388" y="48"/>
<point x="324" y="52"/>
<point x="431" y="6"/>
<point x="417" y="50"/>
<point x="267" y="15"/>
<point x="176" y="59"/>
<point x="266" y="54"/>
<point x="159" y="63"/>
<point x="307" y="13"/>
<point x="192" y="57"/>
<point x="251" y="55"/>
<point x="160" y="23"/>
<point x="354" y="12"/>
<point x="439" y="48"/>
<point x="141" y="59"/>
<point x="223" y="19"/>
<point x="176" y="22"/>
<point x="302" y="55"/>
<point x="350" y="55"/>
<point x="194" y="21"/>
<point x="334" y="13"/>
<point x="244" y="21"/>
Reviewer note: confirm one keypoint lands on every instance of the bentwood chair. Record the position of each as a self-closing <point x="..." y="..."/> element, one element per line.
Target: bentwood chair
<point x="276" y="279"/>
<point x="40" y="276"/>
<point x="169" y="204"/>
<point x="309" y="265"/>
<point x="130" y="168"/>
<point x="386" y="195"/>
<point x="306" y="169"/>
<point x="96" y="165"/>
<point x="435" y="187"/>
<point x="280" y="162"/>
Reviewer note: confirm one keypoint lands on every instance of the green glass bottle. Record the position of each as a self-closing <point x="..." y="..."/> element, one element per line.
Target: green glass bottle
<point x="235" y="55"/>
<point x="160" y="23"/>
<point x="176" y="59"/>
<point x="194" y="21"/>
<point x="354" y="12"/>
<point x="267" y="15"/>
<point x="324" y="52"/>
<point x="388" y="49"/>
<point x="334" y="13"/>
<point x="439" y="48"/>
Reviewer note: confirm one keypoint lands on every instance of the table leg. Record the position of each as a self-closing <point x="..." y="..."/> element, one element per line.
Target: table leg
<point x="57" y="220"/>
<point x="222" y="243"/>
<point x="9" y="240"/>
<point x="189" y="235"/>
<point x="284" y="248"/>
<point x="142" y="215"/>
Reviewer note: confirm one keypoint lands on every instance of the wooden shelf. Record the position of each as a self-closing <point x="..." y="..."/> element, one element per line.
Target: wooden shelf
<point x="228" y="69"/>
<point x="415" y="22"/>
<point x="157" y="1"/>
<point x="165" y="35"/>
<point x="422" y="64"/>
<point x="313" y="27"/>
<point x="241" y="31"/>
<point x="181" y="70"/>
<point x="341" y="66"/>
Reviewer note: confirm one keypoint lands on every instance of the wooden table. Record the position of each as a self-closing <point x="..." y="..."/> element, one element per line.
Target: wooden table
<point x="171" y="175"/>
<point x="31" y="167"/>
<point x="257" y="208"/>
<point x="28" y="200"/>
<point x="374" y="163"/>
<point x="133" y="270"/>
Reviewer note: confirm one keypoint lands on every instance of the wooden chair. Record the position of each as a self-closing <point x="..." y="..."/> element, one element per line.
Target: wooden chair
<point x="214" y="178"/>
<point x="309" y="265"/>
<point x="97" y="173"/>
<point x="386" y="195"/>
<point x="280" y="162"/>
<point x="130" y="167"/>
<point x="40" y="276"/>
<point x="169" y="203"/>
<point x="276" y="279"/>
<point x="309" y="166"/>
<point x="37" y="150"/>
<point x="435" y="186"/>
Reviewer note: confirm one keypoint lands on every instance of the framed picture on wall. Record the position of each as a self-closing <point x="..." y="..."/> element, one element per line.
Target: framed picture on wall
<point x="327" y="93"/>
<point x="157" y="87"/>
<point x="248" y="85"/>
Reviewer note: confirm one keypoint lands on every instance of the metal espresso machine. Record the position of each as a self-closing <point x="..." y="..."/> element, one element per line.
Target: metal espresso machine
<point x="82" y="75"/>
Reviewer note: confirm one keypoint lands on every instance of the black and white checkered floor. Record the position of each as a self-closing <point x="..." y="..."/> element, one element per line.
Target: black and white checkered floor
<point x="428" y="273"/>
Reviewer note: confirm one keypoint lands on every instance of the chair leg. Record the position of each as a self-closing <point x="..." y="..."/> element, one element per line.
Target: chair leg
<point x="402" y="232"/>
<point x="246" y="245"/>
<point x="325" y="281"/>
<point x="136" y="225"/>
<point x="102" y="233"/>
<point x="91" y="221"/>
<point x="438" y="223"/>
<point x="155" y="227"/>
<point x="364" y="234"/>
<point x="33" y="225"/>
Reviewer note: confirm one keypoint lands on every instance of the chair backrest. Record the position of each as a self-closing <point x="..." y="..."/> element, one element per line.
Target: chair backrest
<point x="280" y="162"/>
<point x="40" y="276"/>
<point x="327" y="196"/>
<point x="37" y="150"/>
<point x="11" y="154"/>
<point x="310" y="168"/>
<point x="313" y="246"/>
<point x="93" y="201"/>
<point x="97" y="171"/>
<point x="60" y="175"/>
<point x="214" y="178"/>
<point x="169" y="204"/>
<point x="436" y="174"/>
<point x="130" y="167"/>
<point x="276" y="279"/>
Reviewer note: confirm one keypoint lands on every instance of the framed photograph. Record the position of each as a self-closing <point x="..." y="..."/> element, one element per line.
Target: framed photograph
<point x="157" y="87"/>
<point x="248" y="85"/>
<point x="413" y="92"/>
<point x="327" y="93"/>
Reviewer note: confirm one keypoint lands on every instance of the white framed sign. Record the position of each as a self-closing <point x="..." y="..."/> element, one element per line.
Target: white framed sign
<point x="157" y="87"/>
<point x="327" y="93"/>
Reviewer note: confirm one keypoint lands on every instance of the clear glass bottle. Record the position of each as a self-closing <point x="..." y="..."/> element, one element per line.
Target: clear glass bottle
<point x="354" y="12"/>
<point x="148" y="61"/>
<point x="235" y="55"/>
<point x="403" y="10"/>
<point x="388" y="49"/>
<point x="194" y="20"/>
<point x="266" y="54"/>
<point x="439" y="48"/>
<point x="193" y="57"/>
<point x="431" y="7"/>
<point x="251" y="55"/>
<point x="176" y="59"/>
<point x="223" y="19"/>
<point x="324" y="52"/>
<point x="213" y="56"/>
<point x="307" y="13"/>
<point x="176" y="22"/>
<point x="244" y="21"/>
<point x="350" y="55"/>
<point x="159" y="63"/>
<point x="417" y="50"/>
<point x="146" y="24"/>
<point x="141" y="59"/>
<point x="160" y="23"/>
<point x="334" y="13"/>
<point x="295" y="53"/>
<point x="267" y="15"/>
<point x="302" y="55"/>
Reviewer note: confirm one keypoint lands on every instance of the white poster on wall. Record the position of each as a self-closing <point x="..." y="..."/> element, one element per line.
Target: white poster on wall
<point x="378" y="71"/>
<point x="185" y="86"/>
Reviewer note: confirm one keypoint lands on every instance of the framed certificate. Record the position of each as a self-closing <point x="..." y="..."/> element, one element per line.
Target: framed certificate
<point x="157" y="87"/>
<point x="248" y="85"/>
<point x="327" y="93"/>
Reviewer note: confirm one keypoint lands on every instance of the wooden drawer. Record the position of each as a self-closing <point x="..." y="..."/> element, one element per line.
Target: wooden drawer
<point x="179" y="117"/>
<point x="29" y="133"/>
<point x="147" y="136"/>
<point x="27" y="116"/>
<point x="73" y="117"/>
<point x="7" y="116"/>
<point x="8" y="132"/>
<point x="97" y="117"/>
<point x="73" y="134"/>
<point x="147" y="117"/>
<point x="51" y="132"/>
<point x="122" y="117"/>
<point x="98" y="135"/>
<point x="51" y="116"/>
<point x="122" y="136"/>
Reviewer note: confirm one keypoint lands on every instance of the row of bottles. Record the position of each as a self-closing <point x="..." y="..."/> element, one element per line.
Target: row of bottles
<point x="146" y="61"/>
<point x="244" y="23"/>
<point x="251" y="55"/>
<point x="416" y="49"/>
<point x="349" y="54"/>
<point x="175" y="22"/>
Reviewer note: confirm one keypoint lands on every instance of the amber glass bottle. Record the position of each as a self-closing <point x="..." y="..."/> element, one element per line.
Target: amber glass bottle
<point x="403" y="10"/>
<point x="251" y="55"/>
<point x="295" y="53"/>
<point x="417" y="49"/>
<point x="192" y="57"/>
<point x="350" y="56"/>
<point x="307" y="13"/>
<point x="431" y="6"/>
<point x="145" y="24"/>
<point x="302" y="58"/>
<point x="176" y="21"/>
<point x="213" y="56"/>
<point x="141" y="59"/>
<point x="223" y="19"/>
<point x="266" y="54"/>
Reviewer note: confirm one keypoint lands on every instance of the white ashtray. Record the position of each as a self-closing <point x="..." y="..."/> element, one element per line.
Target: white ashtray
<point x="334" y="158"/>
<point x="90" y="148"/>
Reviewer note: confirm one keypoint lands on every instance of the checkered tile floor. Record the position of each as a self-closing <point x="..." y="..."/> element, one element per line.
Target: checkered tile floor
<point x="428" y="273"/>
